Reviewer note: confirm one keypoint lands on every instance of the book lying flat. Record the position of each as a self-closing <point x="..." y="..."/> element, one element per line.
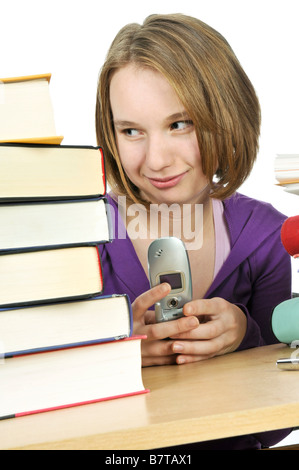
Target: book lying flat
<point x="26" y="112"/>
<point x="26" y="226"/>
<point x="31" y="171"/>
<point x="292" y="188"/>
<point x="49" y="275"/>
<point x="286" y="168"/>
<point x="64" y="324"/>
<point x="47" y="381"/>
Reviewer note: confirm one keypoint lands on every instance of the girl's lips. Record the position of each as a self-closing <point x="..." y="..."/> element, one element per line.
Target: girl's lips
<point x="165" y="183"/>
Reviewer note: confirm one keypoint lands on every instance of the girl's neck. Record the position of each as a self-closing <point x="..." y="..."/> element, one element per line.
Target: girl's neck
<point x="185" y="221"/>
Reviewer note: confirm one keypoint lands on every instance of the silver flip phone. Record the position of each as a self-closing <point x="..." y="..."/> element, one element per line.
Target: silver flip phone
<point x="168" y="262"/>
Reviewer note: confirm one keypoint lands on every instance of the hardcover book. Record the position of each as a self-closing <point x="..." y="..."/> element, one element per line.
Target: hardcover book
<point x="31" y="171"/>
<point x="31" y="226"/>
<point x="26" y="112"/>
<point x="49" y="275"/>
<point x="47" y="381"/>
<point x="64" y="324"/>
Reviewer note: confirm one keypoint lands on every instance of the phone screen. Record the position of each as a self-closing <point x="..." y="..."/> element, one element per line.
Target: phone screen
<point x="174" y="279"/>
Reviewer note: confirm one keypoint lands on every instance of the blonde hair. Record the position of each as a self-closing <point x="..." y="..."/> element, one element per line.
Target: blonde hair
<point x="209" y="81"/>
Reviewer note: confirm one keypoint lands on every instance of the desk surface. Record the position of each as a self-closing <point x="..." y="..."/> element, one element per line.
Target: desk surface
<point x="235" y="394"/>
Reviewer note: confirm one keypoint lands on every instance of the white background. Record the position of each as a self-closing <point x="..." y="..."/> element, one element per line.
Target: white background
<point x="70" y="38"/>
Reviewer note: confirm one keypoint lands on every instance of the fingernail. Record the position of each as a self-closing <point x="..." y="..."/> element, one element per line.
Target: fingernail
<point x="177" y="347"/>
<point x="180" y="360"/>
<point x="192" y="322"/>
<point x="165" y="287"/>
<point x="188" y="309"/>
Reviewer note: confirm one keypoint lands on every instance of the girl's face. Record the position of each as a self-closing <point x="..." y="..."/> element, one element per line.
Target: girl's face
<point x="155" y="137"/>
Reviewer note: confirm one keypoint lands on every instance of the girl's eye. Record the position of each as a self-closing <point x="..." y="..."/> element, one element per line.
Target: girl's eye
<point x="131" y="132"/>
<point x="181" y="125"/>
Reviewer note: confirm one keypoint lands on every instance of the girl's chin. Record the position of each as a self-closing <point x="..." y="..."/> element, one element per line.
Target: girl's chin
<point x="175" y="196"/>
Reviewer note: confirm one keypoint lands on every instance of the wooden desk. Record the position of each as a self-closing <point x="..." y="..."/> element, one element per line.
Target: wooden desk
<point x="231" y="395"/>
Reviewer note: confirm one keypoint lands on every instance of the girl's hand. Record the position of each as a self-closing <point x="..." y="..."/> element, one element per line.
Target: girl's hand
<point x="221" y="330"/>
<point x="157" y="349"/>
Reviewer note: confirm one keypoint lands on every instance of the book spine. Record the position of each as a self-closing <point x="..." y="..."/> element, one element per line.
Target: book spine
<point x="72" y="405"/>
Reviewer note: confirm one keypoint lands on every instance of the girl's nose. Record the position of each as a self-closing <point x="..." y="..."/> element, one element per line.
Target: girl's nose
<point x="158" y="153"/>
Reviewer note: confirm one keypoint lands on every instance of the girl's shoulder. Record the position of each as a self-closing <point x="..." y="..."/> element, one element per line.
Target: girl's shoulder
<point x="245" y="208"/>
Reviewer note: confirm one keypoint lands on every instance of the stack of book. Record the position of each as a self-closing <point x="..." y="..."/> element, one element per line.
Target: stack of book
<point x="286" y="168"/>
<point x="61" y="342"/>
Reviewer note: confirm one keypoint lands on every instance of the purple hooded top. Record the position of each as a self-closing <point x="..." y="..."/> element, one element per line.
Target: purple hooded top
<point x="256" y="276"/>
